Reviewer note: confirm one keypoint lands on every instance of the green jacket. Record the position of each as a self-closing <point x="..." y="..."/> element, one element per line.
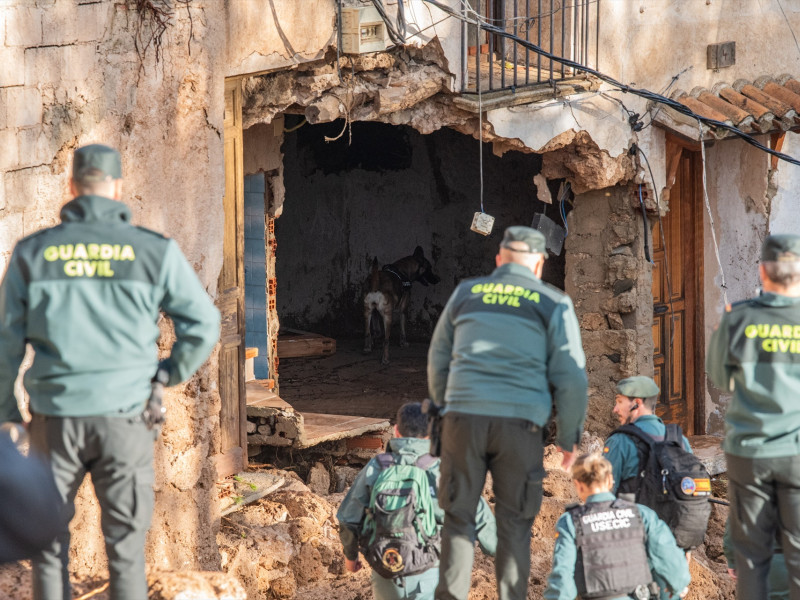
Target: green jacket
<point x="86" y="296"/>
<point x="509" y="345"/>
<point x="755" y="353"/>
<point x="406" y="450"/>
<point x="620" y="449"/>
<point x="667" y="561"/>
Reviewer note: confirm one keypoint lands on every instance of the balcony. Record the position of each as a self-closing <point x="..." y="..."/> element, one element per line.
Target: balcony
<point x="493" y="63"/>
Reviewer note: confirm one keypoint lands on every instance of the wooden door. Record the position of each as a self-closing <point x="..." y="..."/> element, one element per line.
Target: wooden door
<point x="230" y="299"/>
<point x="678" y="353"/>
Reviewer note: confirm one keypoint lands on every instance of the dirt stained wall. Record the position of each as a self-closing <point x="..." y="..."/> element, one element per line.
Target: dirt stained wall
<point x="73" y="73"/>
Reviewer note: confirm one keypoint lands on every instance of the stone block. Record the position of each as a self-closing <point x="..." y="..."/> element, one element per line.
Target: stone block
<point x="251" y="427"/>
<point x="23" y="186"/>
<point x="43" y="65"/>
<point x="78" y="62"/>
<point x="593" y="322"/>
<point x="34" y="147"/>
<point x="60" y="25"/>
<point x="12" y="66"/>
<point x="319" y="480"/>
<point x="23" y="26"/>
<point x="24" y="106"/>
<point x="9" y="157"/>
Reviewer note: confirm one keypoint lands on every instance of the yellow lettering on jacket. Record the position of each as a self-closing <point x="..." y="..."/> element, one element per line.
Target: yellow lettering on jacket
<point x="89" y="259"/>
<point x="499" y="293"/>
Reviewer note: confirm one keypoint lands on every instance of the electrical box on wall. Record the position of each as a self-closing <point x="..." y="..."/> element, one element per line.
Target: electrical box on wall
<point x="363" y="30"/>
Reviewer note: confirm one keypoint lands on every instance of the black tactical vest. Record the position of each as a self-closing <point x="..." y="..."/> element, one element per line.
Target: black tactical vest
<point x="612" y="557"/>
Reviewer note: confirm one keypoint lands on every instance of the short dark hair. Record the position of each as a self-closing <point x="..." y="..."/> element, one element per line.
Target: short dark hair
<point x="410" y="420"/>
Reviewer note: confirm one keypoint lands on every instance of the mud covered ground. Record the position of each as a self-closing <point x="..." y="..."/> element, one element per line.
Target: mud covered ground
<point x="286" y="546"/>
<point x="353" y="383"/>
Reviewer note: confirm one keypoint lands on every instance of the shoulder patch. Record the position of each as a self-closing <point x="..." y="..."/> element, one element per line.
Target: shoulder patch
<point x="606" y="449"/>
<point x="727" y="308"/>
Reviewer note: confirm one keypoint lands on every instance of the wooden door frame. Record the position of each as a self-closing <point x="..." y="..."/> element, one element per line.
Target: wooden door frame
<point x="684" y="160"/>
<point x="230" y="298"/>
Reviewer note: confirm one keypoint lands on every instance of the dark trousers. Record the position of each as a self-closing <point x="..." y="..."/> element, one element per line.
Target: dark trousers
<point x="118" y="454"/>
<point x="511" y="449"/>
<point x="765" y="499"/>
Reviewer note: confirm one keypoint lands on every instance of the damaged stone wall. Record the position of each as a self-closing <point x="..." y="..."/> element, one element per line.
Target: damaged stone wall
<point x="610" y="283"/>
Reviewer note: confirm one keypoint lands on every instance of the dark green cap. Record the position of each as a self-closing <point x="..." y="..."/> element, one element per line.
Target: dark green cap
<point x="638" y="387"/>
<point x="95" y="162"/>
<point x="519" y="233"/>
<point x="781" y="248"/>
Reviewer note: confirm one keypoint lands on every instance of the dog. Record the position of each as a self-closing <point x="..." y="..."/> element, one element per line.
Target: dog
<point x="389" y="289"/>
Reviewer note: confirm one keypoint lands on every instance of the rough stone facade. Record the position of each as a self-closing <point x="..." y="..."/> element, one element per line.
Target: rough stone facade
<point x="609" y="281"/>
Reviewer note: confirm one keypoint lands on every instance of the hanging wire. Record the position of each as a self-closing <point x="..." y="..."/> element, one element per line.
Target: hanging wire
<point x="647" y="253"/>
<point x="711" y="217"/>
<point x="480" y="140"/>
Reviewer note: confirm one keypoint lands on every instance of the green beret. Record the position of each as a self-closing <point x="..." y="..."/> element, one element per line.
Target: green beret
<point x="519" y="233"/>
<point x="638" y="387"/>
<point x="781" y="248"/>
<point x="96" y="162"/>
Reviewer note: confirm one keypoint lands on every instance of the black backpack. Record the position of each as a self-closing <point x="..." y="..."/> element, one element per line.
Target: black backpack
<point x="673" y="482"/>
<point x="399" y="535"/>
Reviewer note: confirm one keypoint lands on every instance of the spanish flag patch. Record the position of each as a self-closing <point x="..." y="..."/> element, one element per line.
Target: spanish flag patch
<point x="605" y="450"/>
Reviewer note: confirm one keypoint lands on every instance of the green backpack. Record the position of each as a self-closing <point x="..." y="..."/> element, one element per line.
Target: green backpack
<point x="399" y="536"/>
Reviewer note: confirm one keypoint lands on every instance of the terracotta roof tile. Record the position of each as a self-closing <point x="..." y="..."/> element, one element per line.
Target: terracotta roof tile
<point x="760" y="106"/>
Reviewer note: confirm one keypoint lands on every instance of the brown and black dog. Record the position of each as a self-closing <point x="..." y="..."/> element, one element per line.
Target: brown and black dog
<point x="389" y="289"/>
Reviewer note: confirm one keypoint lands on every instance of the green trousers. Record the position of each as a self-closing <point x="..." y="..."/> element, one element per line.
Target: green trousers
<point x="765" y="498"/>
<point x="415" y="587"/>
<point x="511" y="449"/>
<point x="118" y="454"/>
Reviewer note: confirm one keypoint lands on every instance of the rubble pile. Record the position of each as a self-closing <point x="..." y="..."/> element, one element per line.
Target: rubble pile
<point x="287" y="545"/>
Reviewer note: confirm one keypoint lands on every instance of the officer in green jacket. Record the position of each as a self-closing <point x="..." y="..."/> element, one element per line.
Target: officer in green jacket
<point x="86" y="296"/>
<point x="408" y="446"/>
<point x="755" y="353"/>
<point x="610" y="548"/>
<point x="505" y="350"/>
<point x="634" y="404"/>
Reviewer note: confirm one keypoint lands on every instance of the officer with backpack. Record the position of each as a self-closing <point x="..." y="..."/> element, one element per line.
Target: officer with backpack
<point x="635" y="405"/>
<point x="655" y="466"/>
<point x="610" y="548"/>
<point x="755" y="353"/>
<point x="392" y="516"/>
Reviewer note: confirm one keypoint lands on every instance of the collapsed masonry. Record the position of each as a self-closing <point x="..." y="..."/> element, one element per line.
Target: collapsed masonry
<point x="608" y="277"/>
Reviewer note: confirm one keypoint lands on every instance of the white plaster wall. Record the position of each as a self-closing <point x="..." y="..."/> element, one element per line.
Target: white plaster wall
<point x="784" y="216"/>
<point x="736" y="175"/>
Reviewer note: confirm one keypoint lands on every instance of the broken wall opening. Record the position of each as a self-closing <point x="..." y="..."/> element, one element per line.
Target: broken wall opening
<point x="381" y="195"/>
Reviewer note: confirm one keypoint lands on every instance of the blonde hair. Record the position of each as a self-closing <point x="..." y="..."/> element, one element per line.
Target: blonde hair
<point x="591" y="469"/>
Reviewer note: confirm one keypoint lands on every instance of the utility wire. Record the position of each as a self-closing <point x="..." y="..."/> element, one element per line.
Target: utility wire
<point x="643" y="93"/>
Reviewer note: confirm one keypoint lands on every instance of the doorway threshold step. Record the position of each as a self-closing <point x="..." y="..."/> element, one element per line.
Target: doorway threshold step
<point x="318" y="428"/>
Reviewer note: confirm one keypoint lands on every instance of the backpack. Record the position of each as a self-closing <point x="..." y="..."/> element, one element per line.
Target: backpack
<point x="399" y="536"/>
<point x="673" y="482"/>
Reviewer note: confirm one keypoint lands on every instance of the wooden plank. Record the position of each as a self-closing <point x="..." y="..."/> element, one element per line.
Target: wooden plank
<point x="297" y="344"/>
<point x="260" y="396"/>
<point x="251" y="352"/>
<point x="318" y="428"/>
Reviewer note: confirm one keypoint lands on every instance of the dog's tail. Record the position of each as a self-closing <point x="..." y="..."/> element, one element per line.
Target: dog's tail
<point x="374" y="277"/>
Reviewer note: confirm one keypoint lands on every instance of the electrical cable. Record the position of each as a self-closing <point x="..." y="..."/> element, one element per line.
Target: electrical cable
<point x="643" y="93"/>
<point x="339" y="38"/>
<point x="562" y="196"/>
<point x="480" y="140"/>
<point x="666" y="249"/>
<point x="647" y="254"/>
<point x="723" y="285"/>
<point x="396" y="34"/>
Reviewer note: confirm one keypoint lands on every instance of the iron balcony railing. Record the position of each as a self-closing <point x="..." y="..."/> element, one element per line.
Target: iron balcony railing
<point x="564" y="28"/>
